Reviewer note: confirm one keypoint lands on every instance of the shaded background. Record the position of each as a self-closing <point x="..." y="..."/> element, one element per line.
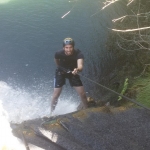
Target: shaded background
<point x="31" y="31"/>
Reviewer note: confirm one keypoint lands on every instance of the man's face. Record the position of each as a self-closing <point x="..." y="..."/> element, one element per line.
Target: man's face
<point x="68" y="49"/>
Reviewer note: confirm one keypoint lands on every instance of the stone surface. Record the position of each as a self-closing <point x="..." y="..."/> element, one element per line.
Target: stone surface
<point x="90" y="129"/>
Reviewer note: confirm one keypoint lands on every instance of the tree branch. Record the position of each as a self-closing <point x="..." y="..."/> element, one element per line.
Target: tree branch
<point x="143" y="71"/>
<point x="131" y="30"/>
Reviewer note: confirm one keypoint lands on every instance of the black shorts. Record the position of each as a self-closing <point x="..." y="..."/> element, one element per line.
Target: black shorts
<point x="60" y="79"/>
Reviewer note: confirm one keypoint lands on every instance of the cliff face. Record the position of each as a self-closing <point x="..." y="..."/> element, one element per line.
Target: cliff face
<point x="90" y="129"/>
<point x="129" y="42"/>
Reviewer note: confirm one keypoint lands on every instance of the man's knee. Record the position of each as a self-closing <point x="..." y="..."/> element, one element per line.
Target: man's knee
<point x="82" y="94"/>
<point x="55" y="96"/>
<point x="57" y="92"/>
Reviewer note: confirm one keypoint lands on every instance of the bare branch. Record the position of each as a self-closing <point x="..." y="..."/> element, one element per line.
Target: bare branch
<point x="127" y="49"/>
<point x="107" y="3"/>
<point x="114" y="20"/>
<point x="131" y="30"/>
<point x="123" y="17"/>
<point x="124" y="38"/>
<point x="130" y="2"/>
<point x="143" y="71"/>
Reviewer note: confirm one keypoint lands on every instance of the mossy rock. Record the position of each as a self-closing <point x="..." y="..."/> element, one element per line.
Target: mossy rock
<point x="141" y="89"/>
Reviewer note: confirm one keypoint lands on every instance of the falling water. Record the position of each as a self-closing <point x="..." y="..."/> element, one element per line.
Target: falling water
<point x="7" y="140"/>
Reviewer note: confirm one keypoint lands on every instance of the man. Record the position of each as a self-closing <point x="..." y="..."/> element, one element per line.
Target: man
<point x="69" y="63"/>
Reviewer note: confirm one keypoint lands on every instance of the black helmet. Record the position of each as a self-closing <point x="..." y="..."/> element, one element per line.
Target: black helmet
<point x="68" y="41"/>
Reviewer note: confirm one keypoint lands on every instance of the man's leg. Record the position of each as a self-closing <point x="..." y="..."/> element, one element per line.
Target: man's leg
<point x="55" y="97"/>
<point x="81" y="92"/>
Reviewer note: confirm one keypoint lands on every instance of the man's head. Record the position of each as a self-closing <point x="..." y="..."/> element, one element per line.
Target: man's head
<point x="68" y="41"/>
<point x="68" y="46"/>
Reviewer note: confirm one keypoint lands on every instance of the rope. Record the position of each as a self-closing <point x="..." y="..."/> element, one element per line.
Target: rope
<point x="129" y="99"/>
<point x="132" y="100"/>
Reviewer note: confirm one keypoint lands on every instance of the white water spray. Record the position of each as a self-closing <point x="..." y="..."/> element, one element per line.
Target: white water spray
<point x="18" y="105"/>
<point x="7" y="140"/>
<point x="22" y="105"/>
<point x="4" y="1"/>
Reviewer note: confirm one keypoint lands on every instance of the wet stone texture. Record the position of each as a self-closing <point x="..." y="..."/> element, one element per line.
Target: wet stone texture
<point x="90" y="129"/>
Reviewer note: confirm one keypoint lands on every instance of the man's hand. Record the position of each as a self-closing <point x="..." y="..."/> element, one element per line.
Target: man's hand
<point x="75" y="71"/>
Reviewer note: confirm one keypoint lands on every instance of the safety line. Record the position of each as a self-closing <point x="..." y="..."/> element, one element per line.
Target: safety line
<point x="132" y="100"/>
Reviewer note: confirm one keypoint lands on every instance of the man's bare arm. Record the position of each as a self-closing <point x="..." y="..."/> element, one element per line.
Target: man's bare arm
<point x="79" y="64"/>
<point x="79" y="67"/>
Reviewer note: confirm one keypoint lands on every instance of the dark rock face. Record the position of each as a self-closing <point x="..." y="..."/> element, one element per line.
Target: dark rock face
<point x="90" y="129"/>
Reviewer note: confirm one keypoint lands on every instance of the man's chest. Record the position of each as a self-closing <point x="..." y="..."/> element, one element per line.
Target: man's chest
<point x="72" y="58"/>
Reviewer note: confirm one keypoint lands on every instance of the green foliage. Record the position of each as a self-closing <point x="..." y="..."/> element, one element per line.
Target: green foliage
<point x="124" y="88"/>
<point x="142" y="87"/>
<point x="132" y="50"/>
<point x="144" y="96"/>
